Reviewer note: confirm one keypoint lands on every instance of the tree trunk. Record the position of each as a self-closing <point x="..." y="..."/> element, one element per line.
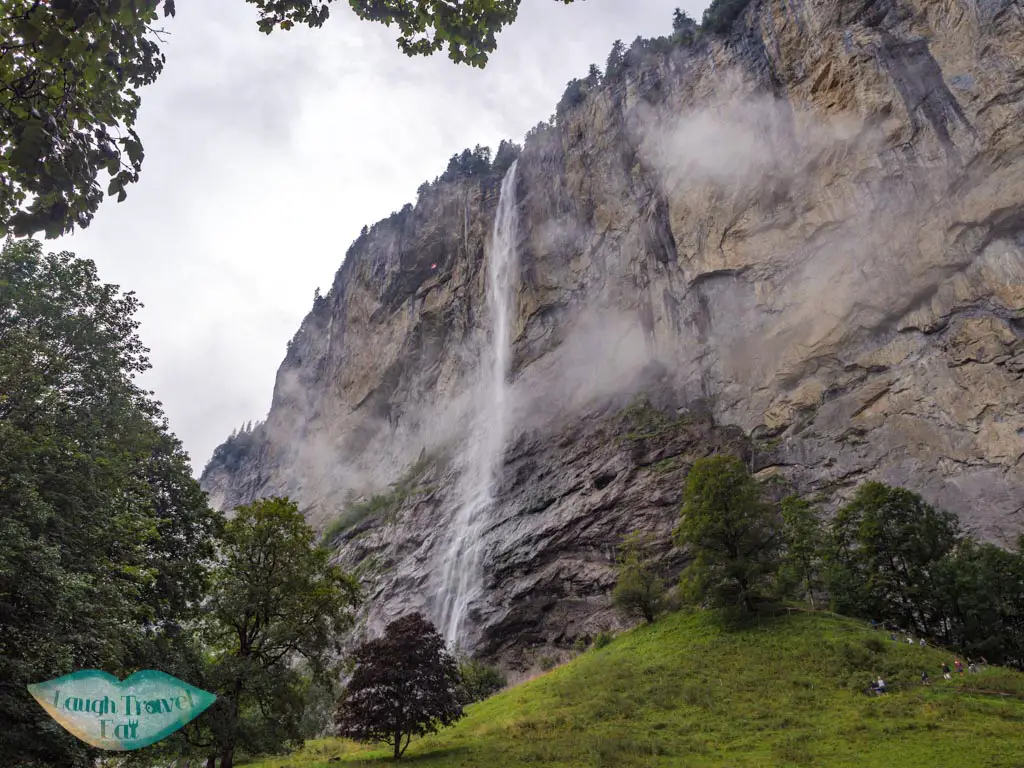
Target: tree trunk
<point x="211" y="761"/>
<point x="227" y="754"/>
<point x="745" y="589"/>
<point x="398" y="744"/>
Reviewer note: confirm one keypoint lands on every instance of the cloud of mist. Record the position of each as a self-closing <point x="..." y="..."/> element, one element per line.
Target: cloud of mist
<point x="600" y="356"/>
<point x="826" y="227"/>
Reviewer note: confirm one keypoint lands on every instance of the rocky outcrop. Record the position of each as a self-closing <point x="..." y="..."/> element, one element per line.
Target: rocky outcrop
<point x="804" y="241"/>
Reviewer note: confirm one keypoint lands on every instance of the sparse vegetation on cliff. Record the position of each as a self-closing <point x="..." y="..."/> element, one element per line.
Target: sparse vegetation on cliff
<point x="477" y="163"/>
<point x="382" y="504"/>
<point x="643" y="421"/>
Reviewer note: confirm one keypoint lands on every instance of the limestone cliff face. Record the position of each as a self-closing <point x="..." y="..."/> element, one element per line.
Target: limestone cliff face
<point x="803" y="242"/>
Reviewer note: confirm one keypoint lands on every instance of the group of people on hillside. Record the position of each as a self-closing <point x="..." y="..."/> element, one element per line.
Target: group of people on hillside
<point x="879" y="687"/>
<point x="947" y="673"/>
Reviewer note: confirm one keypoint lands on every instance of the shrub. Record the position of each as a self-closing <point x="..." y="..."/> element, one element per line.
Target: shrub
<point x="547" y="663"/>
<point x="673" y="600"/>
<point x="875" y="645"/>
<point x="638" y="591"/>
<point x="480" y="680"/>
<point x="604" y="637"/>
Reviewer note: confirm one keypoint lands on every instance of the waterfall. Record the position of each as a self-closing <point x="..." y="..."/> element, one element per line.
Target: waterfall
<point x="461" y="575"/>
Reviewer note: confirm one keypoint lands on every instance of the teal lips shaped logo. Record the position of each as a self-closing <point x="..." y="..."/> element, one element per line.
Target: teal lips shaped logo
<point x="121" y="715"/>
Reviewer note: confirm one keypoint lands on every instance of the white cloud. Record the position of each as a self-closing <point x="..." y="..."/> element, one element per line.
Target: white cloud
<point x="265" y="155"/>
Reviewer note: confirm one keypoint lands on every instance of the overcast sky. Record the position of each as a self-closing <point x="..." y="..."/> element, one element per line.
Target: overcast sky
<point x="265" y="156"/>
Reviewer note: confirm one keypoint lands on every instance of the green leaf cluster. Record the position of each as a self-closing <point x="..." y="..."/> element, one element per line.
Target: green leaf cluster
<point x="638" y="592"/>
<point x="894" y="558"/>
<point x="479" y="680"/>
<point x="105" y="538"/>
<point x="801" y="565"/>
<point x="275" y="600"/>
<point x="882" y="549"/>
<point x="71" y="70"/>
<point x="69" y="78"/>
<point x="733" y="533"/>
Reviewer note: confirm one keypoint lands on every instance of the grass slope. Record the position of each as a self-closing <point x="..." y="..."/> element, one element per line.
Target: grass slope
<point x="685" y="692"/>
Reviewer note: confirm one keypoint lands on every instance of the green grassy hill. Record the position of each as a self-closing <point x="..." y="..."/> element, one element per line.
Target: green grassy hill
<point x="685" y="692"/>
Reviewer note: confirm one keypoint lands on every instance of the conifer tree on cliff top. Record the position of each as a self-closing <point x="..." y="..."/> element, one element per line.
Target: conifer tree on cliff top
<point x="404" y="684"/>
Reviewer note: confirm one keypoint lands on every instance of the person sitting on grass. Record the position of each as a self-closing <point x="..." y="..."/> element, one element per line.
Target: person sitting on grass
<point x="924" y="678"/>
<point x="945" y="672"/>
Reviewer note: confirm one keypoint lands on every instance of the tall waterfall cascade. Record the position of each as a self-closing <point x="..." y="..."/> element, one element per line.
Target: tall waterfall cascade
<point x="461" y="566"/>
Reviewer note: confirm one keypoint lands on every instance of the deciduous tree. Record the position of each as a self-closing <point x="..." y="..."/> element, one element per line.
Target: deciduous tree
<point x="104" y="534"/>
<point x="982" y="601"/>
<point x="804" y="547"/>
<point x="275" y="600"/>
<point x="403" y="684"/>
<point x="479" y="680"/>
<point x="883" y="550"/>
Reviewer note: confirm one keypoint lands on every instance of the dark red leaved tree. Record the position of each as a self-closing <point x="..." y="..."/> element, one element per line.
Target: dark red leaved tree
<point x="404" y="684"/>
